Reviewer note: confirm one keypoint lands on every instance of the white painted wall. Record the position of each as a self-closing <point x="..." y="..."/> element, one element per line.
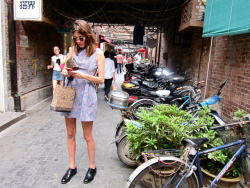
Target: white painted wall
<point x="3" y="68"/>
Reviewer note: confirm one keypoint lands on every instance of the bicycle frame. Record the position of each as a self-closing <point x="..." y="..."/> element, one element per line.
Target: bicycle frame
<point x="240" y="152"/>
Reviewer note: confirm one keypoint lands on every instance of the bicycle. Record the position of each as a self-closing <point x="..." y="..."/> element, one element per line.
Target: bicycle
<point x="170" y="171"/>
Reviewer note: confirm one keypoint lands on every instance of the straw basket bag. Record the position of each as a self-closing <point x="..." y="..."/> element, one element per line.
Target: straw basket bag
<point x="63" y="98"/>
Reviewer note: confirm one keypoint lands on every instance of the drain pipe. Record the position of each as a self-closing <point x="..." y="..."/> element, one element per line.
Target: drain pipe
<point x="159" y="52"/>
<point x="156" y="48"/>
<point x="12" y="57"/>
<point x="209" y="60"/>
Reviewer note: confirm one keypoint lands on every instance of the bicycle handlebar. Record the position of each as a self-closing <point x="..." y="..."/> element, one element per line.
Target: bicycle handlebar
<point x="194" y="106"/>
<point x="230" y="124"/>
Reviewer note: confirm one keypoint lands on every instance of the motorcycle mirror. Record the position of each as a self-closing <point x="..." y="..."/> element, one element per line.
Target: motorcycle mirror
<point x="223" y="84"/>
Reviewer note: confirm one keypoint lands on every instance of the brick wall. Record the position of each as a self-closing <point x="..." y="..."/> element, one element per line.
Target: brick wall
<point x="34" y="48"/>
<point x="230" y="60"/>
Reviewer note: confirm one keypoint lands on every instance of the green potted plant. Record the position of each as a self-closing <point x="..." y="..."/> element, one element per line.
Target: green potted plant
<point x="164" y="127"/>
<point x="213" y="163"/>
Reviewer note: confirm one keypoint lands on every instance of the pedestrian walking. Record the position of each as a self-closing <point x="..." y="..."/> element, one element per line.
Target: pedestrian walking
<point x="56" y="61"/>
<point x="130" y="59"/>
<point x="138" y="58"/>
<point x="112" y="56"/>
<point x="109" y="73"/>
<point x="89" y="59"/>
<point x="119" y="59"/>
<point x="124" y="62"/>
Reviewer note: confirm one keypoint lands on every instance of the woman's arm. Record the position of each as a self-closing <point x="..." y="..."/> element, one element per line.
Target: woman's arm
<point x="51" y="65"/>
<point x="65" y="73"/>
<point x="92" y="78"/>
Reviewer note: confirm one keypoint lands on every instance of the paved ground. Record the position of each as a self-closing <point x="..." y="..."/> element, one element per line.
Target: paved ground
<point x="33" y="151"/>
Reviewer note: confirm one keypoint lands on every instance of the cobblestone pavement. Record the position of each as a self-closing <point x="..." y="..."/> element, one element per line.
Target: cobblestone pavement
<point x="33" y="152"/>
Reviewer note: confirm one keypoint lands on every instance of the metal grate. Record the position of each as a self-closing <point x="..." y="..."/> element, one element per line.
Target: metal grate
<point x="193" y="10"/>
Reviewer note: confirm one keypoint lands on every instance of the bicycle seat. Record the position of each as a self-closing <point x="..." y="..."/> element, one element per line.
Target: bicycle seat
<point x="196" y="143"/>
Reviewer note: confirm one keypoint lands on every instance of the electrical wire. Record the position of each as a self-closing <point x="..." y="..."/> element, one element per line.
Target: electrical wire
<point x="156" y="11"/>
<point x="62" y="13"/>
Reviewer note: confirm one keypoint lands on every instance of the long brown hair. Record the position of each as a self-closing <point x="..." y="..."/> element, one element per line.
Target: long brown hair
<point x="83" y="28"/>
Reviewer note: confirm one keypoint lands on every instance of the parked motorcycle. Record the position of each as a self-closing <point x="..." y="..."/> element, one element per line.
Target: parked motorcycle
<point x="149" y="88"/>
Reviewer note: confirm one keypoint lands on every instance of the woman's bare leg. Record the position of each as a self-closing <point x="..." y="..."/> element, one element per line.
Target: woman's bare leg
<point x="54" y="83"/>
<point x="88" y="136"/>
<point x="71" y="133"/>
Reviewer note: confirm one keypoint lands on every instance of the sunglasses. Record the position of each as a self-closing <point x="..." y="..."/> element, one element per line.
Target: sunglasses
<point x="80" y="38"/>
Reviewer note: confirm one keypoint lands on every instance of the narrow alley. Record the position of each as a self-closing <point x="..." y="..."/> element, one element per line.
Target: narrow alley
<point x="34" y="151"/>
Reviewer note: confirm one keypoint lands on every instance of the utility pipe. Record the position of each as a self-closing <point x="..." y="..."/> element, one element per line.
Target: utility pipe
<point x="209" y="60"/>
<point x="159" y="51"/>
<point x="156" y="48"/>
<point x="12" y="57"/>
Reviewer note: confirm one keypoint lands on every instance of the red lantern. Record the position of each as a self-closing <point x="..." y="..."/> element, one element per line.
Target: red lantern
<point x="142" y="50"/>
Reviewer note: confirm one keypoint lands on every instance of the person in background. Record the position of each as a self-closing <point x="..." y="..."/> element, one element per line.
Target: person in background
<point x="89" y="59"/>
<point x="130" y="59"/>
<point x="112" y="56"/>
<point x="138" y="57"/>
<point x="56" y="61"/>
<point x="119" y="59"/>
<point x="109" y="74"/>
<point x="124" y="62"/>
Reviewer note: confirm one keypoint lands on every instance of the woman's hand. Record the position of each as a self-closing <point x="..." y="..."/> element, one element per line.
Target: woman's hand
<point x="77" y="74"/>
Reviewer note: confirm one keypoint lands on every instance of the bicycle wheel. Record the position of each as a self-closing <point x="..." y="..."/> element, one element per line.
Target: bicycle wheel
<point x="125" y="154"/>
<point x="141" y="104"/>
<point x="155" y="174"/>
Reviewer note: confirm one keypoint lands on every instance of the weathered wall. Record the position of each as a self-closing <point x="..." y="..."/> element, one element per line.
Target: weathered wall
<point x="34" y="48"/>
<point x="230" y="60"/>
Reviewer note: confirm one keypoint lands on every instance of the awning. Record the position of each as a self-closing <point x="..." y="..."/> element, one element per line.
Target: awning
<point x="104" y="39"/>
<point x="226" y="17"/>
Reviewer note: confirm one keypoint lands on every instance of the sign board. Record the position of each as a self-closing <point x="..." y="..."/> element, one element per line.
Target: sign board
<point x="104" y="39"/>
<point x="28" y="10"/>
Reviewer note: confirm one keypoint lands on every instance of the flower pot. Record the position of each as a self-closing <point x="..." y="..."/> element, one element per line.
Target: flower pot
<point x="223" y="183"/>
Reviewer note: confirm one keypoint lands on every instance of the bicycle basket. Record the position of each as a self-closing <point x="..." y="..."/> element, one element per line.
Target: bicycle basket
<point x="233" y="133"/>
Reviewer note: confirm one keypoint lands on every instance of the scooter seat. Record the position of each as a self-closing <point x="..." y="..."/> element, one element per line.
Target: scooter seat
<point x="152" y="85"/>
<point x="135" y="71"/>
<point x="178" y="79"/>
<point x="163" y="93"/>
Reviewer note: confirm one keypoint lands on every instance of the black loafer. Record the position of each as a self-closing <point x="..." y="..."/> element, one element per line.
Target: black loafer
<point x="69" y="174"/>
<point x="89" y="175"/>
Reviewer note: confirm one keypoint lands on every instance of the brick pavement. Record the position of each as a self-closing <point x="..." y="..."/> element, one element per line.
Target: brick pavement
<point x="33" y="151"/>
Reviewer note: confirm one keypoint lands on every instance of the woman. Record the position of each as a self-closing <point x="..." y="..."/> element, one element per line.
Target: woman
<point x="84" y="108"/>
<point x="130" y="59"/>
<point x="56" y="61"/>
<point x="124" y="62"/>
